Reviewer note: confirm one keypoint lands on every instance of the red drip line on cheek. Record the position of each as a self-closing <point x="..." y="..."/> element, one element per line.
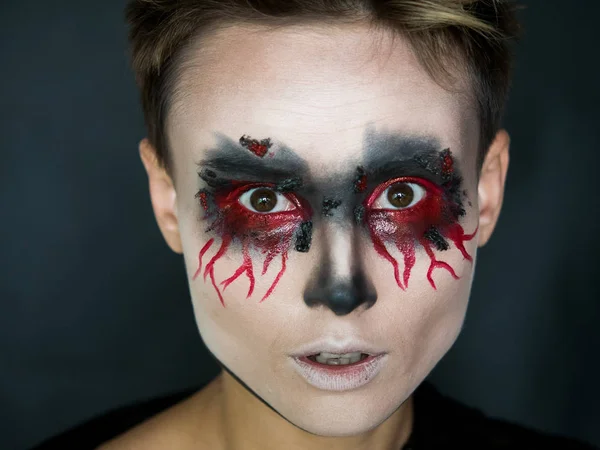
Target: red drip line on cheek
<point x="277" y="278"/>
<point x="436" y="264"/>
<point x="405" y="244"/>
<point x="210" y="267"/>
<point x="406" y="228"/>
<point x="247" y="268"/>
<point x="202" y="252"/>
<point x="271" y="234"/>
<point x="456" y="233"/>
<point x="408" y="250"/>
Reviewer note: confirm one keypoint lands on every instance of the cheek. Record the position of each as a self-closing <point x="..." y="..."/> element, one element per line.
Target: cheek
<point x="245" y="333"/>
<point x="421" y="323"/>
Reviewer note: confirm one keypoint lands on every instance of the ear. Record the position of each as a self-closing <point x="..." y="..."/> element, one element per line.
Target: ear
<point x="162" y="195"/>
<point x="491" y="185"/>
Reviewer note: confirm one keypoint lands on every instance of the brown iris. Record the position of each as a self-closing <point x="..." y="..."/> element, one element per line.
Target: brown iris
<point x="400" y="195"/>
<point x="263" y="200"/>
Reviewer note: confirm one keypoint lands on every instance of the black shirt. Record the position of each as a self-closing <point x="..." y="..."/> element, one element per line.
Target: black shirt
<point x="439" y="423"/>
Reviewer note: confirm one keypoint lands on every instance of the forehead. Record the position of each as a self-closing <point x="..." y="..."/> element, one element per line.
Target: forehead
<point x="317" y="89"/>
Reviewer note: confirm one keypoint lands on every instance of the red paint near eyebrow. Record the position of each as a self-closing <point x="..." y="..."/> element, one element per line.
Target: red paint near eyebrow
<point x="269" y="234"/>
<point x="447" y="163"/>
<point x="259" y="148"/>
<point x="360" y="183"/>
<point x="203" y="196"/>
<point x="406" y="228"/>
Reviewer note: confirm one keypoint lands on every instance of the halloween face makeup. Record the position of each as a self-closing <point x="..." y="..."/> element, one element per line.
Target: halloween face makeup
<point x="326" y="204"/>
<point x="416" y="201"/>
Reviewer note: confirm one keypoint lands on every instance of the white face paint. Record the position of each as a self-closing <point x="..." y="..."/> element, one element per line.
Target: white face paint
<point x="319" y="91"/>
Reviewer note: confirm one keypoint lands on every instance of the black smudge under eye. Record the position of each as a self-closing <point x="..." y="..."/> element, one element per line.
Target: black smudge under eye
<point x="328" y="205"/>
<point x="433" y="235"/>
<point x="304" y="236"/>
<point x="359" y="213"/>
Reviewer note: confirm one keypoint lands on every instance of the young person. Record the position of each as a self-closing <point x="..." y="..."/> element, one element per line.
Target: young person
<point x="328" y="170"/>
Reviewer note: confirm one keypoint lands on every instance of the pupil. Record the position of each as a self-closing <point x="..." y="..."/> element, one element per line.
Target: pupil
<point x="263" y="200"/>
<point x="401" y="195"/>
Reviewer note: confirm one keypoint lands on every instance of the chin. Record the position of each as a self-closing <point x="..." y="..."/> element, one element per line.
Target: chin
<point x="347" y="420"/>
<point x="341" y="414"/>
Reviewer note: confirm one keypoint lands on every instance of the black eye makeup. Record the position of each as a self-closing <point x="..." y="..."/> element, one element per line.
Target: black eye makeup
<point x="410" y="199"/>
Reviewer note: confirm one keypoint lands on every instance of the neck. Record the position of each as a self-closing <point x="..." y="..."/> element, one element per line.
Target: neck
<point x="248" y="424"/>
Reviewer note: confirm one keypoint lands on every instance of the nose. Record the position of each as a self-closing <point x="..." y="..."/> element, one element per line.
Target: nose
<point x="340" y="282"/>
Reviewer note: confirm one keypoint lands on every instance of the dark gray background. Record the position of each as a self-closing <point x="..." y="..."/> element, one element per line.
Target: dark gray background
<point x="95" y="311"/>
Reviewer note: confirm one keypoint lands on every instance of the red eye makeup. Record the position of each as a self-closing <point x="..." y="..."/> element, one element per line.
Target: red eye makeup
<point x="409" y="212"/>
<point x="406" y="196"/>
<point x="260" y="218"/>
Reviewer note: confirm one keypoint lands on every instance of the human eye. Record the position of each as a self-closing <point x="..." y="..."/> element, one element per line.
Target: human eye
<point x="264" y="200"/>
<point x="399" y="195"/>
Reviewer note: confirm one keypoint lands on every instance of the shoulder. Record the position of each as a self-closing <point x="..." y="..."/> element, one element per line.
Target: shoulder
<point x="146" y="425"/>
<point x="172" y="428"/>
<point x="442" y="422"/>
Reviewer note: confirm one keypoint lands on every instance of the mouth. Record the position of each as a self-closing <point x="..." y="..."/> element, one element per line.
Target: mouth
<point x="339" y="371"/>
<point x="336" y="359"/>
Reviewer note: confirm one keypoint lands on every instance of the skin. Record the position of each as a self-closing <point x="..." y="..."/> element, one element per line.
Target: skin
<point x="317" y="90"/>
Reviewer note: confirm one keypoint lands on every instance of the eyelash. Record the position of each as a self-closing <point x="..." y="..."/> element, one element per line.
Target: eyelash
<point x="428" y="189"/>
<point x="248" y="193"/>
<point x="424" y="190"/>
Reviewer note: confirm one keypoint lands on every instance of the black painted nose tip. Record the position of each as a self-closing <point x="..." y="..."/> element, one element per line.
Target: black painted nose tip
<point x="342" y="297"/>
<point x="343" y="300"/>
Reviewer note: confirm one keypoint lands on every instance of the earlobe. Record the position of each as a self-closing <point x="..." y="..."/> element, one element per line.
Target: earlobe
<point x="162" y="196"/>
<point x="491" y="185"/>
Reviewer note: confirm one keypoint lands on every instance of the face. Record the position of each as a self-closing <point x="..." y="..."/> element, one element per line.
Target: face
<point x="326" y="202"/>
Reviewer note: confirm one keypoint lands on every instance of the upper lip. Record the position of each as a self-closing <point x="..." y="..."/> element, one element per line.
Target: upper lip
<point x="331" y="346"/>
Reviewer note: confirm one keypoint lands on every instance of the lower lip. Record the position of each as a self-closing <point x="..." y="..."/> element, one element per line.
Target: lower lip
<point x="339" y="378"/>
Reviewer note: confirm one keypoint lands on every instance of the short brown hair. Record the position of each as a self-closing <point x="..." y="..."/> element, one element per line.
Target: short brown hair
<point x="443" y="33"/>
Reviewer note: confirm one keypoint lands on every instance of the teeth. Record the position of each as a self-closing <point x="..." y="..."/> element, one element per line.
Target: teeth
<point x="336" y="360"/>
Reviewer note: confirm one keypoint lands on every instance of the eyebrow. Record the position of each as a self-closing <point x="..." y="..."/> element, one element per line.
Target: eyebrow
<point x="386" y="156"/>
<point x="233" y="161"/>
<point x="389" y="156"/>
